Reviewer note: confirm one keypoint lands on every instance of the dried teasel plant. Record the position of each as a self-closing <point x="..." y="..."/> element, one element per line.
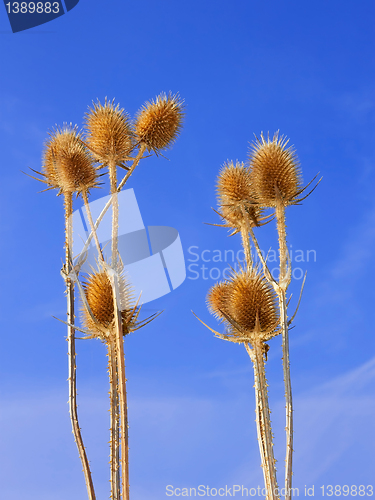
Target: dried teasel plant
<point x="69" y="167"/>
<point x="71" y="161"/>
<point x="277" y="178"/>
<point x="247" y="306"/>
<point x="252" y="304"/>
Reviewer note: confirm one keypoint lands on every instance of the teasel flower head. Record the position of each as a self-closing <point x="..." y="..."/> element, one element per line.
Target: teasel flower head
<point x="158" y="122"/>
<point x="247" y="304"/>
<point x="109" y="133"/>
<point x="218" y="299"/>
<point x="275" y="171"/>
<point x="236" y="196"/>
<point x="99" y="296"/>
<point x="67" y="163"/>
<point x="253" y="303"/>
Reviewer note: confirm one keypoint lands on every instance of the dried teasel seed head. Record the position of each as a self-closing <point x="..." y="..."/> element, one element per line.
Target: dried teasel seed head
<point x="109" y="133"/>
<point x="159" y="121"/>
<point x="99" y="295"/>
<point x="67" y="164"/>
<point x="218" y="298"/>
<point x="275" y="171"/>
<point x="252" y="297"/>
<point x="234" y="191"/>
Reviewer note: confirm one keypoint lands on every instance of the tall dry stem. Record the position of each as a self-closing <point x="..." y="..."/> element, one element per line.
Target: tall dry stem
<point x="68" y="205"/>
<point x="281" y="292"/>
<point x="114" y="421"/>
<point x="120" y="357"/>
<point x="246" y="246"/>
<point x="263" y="420"/>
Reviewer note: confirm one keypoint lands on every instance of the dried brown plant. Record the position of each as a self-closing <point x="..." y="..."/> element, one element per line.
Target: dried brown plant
<point x="277" y="179"/>
<point x="247" y="305"/>
<point x="70" y="164"/>
<point x="251" y="304"/>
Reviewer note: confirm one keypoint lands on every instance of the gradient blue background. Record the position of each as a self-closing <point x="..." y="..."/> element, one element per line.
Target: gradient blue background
<point x="242" y="68"/>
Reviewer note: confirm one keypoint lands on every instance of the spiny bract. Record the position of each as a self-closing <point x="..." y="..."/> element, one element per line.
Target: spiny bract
<point x="159" y="121"/>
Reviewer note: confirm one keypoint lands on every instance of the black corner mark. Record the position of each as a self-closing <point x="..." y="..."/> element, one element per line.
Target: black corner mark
<point x="26" y="15"/>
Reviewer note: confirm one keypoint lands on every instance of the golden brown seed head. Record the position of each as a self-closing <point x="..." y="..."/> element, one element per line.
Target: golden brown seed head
<point x="251" y="296"/>
<point x="275" y="171"/>
<point x="235" y="190"/>
<point x="98" y="291"/>
<point x="67" y="164"/>
<point x="109" y="132"/>
<point x="159" y="122"/>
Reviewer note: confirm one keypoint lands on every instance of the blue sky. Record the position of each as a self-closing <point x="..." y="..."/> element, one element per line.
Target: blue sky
<point x="242" y="67"/>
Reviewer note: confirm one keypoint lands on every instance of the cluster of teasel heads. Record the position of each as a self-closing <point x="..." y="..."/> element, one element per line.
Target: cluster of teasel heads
<point x="251" y="303"/>
<point x="72" y="163"/>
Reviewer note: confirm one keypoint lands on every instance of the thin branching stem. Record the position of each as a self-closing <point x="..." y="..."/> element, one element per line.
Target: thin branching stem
<point x="119" y="337"/>
<point x="280" y="220"/>
<point x="263" y="421"/>
<point x="114" y="422"/>
<point x="142" y="149"/>
<point x="246" y="246"/>
<point x="136" y="160"/>
<point x="68" y="204"/>
<point x="92" y="226"/>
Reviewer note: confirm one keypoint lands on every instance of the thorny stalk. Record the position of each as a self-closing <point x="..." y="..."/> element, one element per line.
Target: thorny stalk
<point x="263" y="420"/>
<point x="246" y="246"/>
<point x="68" y="205"/>
<point x="114" y="422"/>
<point x="124" y="458"/>
<point x="262" y="410"/>
<point x="281" y="292"/>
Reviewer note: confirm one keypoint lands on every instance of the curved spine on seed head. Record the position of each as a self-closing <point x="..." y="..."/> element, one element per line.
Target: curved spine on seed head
<point x="158" y="122"/>
<point x="67" y="163"/>
<point x="109" y="132"/>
